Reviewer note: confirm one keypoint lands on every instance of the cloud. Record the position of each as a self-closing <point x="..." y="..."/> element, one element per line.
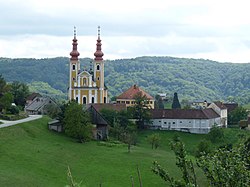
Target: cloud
<point x="218" y="30"/>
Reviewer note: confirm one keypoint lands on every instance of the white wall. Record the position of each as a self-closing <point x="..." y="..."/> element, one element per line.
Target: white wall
<point x="199" y="126"/>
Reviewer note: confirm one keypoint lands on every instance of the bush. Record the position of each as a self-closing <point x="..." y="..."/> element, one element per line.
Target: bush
<point x="203" y="148"/>
<point x="13" y="110"/>
<point x="216" y="135"/>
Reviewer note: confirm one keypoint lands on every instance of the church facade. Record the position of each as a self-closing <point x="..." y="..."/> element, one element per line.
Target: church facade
<point x="86" y="87"/>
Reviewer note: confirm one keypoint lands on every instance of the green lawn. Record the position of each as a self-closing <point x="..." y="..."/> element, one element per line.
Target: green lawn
<point x="247" y="106"/>
<point x="30" y="155"/>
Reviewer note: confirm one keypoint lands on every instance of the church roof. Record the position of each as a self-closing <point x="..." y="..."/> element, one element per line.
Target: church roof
<point x="183" y="114"/>
<point x="132" y="92"/>
<point x="110" y="106"/>
<point x="98" y="54"/>
<point x="74" y="53"/>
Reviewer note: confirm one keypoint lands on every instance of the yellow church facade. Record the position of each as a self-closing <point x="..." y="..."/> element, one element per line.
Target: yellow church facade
<point x="87" y="87"/>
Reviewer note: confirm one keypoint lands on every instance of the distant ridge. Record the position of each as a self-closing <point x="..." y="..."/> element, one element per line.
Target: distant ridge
<point x="191" y="78"/>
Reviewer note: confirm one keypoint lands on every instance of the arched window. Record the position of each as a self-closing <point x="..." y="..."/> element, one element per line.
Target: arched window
<point x="74" y="67"/>
<point x="98" y="67"/>
<point x="84" y="81"/>
<point x="84" y="100"/>
<point x="93" y="99"/>
<point x="105" y="100"/>
<point x="76" y="99"/>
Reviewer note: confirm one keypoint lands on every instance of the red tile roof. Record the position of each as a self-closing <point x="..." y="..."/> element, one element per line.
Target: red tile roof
<point x="183" y="114"/>
<point x="117" y="106"/>
<point x="132" y="92"/>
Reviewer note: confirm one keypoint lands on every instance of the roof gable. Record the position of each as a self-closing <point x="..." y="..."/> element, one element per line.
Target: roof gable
<point x="183" y="114"/>
<point x="110" y="106"/>
<point x="220" y="105"/>
<point x="33" y="96"/>
<point x="132" y="92"/>
<point x="84" y="73"/>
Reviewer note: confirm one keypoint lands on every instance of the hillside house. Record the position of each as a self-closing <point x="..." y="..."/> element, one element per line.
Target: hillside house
<point x="32" y="97"/>
<point x="188" y="120"/>
<point x="38" y="105"/>
<point x="128" y="97"/>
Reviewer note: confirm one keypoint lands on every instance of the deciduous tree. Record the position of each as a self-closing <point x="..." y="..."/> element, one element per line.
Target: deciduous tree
<point x="77" y="123"/>
<point x="140" y="110"/>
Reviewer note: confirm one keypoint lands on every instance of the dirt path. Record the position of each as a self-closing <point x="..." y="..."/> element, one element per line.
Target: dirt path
<point x="11" y="123"/>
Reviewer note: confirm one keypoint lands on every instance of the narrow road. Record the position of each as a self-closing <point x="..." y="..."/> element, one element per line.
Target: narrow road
<point x="10" y="123"/>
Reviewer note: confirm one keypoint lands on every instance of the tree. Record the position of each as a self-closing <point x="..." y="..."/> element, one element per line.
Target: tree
<point x="77" y="123"/>
<point x="204" y="147"/>
<point x="159" y="102"/>
<point x="20" y="91"/>
<point x="140" y="110"/>
<point x="186" y="166"/>
<point x="223" y="167"/>
<point x="6" y="100"/>
<point x="130" y="135"/>
<point x="154" y="140"/>
<point x="236" y="115"/>
<point x="52" y="110"/>
<point x="226" y="167"/>
<point x="216" y="134"/>
<point x="176" y="104"/>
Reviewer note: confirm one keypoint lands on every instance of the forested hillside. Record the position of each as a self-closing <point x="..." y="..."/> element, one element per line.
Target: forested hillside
<point x="191" y="78"/>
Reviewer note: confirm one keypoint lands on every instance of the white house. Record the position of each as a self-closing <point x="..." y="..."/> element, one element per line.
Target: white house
<point x="221" y="110"/>
<point x="188" y="120"/>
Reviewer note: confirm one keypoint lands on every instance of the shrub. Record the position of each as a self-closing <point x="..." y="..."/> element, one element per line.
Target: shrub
<point x="13" y="110"/>
<point x="216" y="135"/>
<point x="203" y="148"/>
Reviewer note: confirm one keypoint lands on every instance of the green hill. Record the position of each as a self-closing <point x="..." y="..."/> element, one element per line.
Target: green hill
<point x="191" y="78"/>
<point x="31" y="155"/>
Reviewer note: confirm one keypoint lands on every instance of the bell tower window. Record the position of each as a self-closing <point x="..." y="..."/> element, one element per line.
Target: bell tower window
<point x="74" y="67"/>
<point x="98" y="67"/>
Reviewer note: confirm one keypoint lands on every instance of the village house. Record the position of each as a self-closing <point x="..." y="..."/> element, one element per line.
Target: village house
<point x="39" y="105"/>
<point x="128" y="97"/>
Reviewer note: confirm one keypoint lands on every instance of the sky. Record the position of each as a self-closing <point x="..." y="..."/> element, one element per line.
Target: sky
<point x="210" y="29"/>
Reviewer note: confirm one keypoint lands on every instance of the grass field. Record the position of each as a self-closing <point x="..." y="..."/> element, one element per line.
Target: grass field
<point x="30" y="155"/>
<point x="247" y="106"/>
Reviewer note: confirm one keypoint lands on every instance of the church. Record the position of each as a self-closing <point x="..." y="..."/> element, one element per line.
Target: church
<point x="86" y="87"/>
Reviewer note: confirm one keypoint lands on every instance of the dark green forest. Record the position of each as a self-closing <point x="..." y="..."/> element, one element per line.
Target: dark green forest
<point x="193" y="79"/>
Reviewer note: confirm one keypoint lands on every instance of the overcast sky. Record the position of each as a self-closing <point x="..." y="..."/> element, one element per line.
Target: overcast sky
<point x="210" y="29"/>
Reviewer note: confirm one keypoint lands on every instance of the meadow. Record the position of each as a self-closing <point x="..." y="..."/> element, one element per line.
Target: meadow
<point x="31" y="155"/>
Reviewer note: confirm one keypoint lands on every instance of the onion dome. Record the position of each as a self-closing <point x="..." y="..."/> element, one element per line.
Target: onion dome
<point x="98" y="54"/>
<point x="74" y="53"/>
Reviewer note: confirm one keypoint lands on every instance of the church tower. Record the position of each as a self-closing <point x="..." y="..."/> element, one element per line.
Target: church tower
<point x="74" y="67"/>
<point x="99" y="70"/>
<point x="86" y="87"/>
